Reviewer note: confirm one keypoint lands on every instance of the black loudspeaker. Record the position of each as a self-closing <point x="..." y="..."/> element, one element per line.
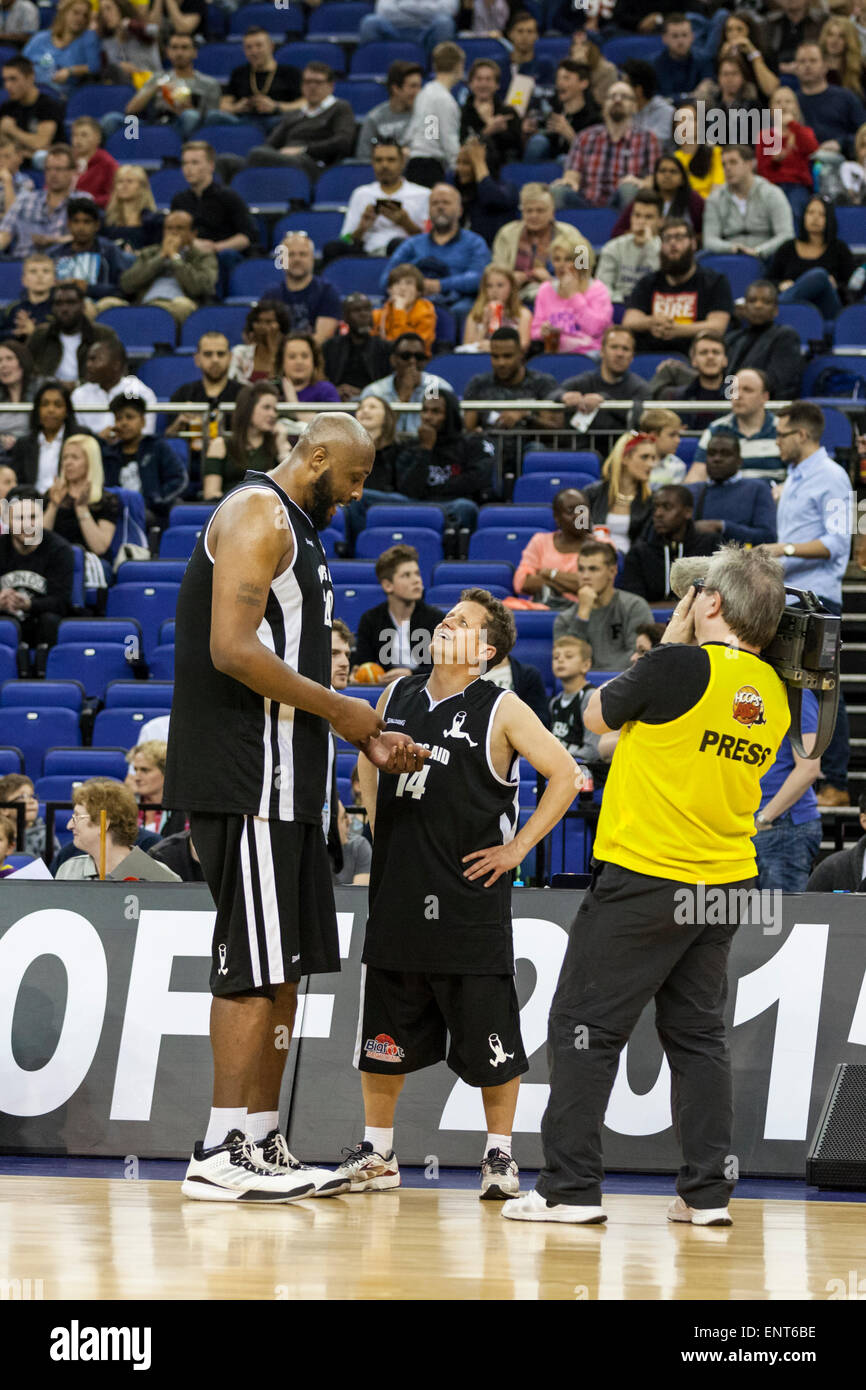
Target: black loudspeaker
<point x="837" y="1154"/>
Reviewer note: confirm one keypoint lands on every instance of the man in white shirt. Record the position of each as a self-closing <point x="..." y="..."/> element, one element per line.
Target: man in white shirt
<point x="433" y="136"/>
<point x="382" y="214"/>
<point x="105" y="377"/>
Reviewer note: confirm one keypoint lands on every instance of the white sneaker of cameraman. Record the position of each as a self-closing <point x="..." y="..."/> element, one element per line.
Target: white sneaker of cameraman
<point x="699" y="1216"/>
<point x="534" y="1207"/>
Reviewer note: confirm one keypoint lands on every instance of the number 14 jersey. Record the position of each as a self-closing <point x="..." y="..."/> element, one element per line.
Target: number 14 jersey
<point x="424" y="915"/>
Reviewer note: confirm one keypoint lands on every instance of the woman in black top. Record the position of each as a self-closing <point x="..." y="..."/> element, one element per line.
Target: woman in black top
<point x="18" y="383"/>
<point x="814" y="267"/>
<point x="486" y="117"/>
<point x="671" y="182"/>
<point x="77" y="507"/>
<point x="254" y="441"/>
<point x="488" y="201"/>
<point x="36" y="457"/>
<point x="733" y="88"/>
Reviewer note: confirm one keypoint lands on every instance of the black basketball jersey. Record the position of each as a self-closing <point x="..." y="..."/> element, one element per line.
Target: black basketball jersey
<point x="229" y="749"/>
<point x="566" y="719"/>
<point x="423" y="914"/>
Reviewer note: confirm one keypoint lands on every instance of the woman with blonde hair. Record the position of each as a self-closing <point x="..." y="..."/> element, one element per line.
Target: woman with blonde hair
<point x="67" y="53"/>
<point x="666" y="428"/>
<point x="620" y="500"/>
<point x="131" y="218"/>
<point x="842" y="54"/>
<point x="572" y="311"/>
<point x="124" y="859"/>
<point x="497" y="306"/>
<point x="524" y="246"/>
<point x="784" y="152"/>
<point x="77" y="507"/>
<point x="146" y="780"/>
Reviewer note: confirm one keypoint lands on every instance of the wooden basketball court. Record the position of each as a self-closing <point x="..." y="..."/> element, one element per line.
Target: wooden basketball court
<point x="97" y="1238"/>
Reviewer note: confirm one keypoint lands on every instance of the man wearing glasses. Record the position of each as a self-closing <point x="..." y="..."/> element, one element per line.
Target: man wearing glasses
<point x="702" y="716"/>
<point x="670" y="305"/>
<point x="408" y="381"/>
<point x="319" y="132"/>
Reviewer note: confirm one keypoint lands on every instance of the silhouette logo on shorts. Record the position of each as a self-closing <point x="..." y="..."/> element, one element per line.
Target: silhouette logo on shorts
<point x="456" y="730"/>
<point x="383" y="1048"/>
<point x="499" y="1053"/>
<point x="223" y="968"/>
<point x="749" y="706"/>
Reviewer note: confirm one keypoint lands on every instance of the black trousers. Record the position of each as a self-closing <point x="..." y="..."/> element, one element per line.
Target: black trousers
<point x="629" y="944"/>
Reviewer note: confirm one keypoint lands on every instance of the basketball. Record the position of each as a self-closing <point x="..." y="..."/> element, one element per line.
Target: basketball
<point x="370" y="673"/>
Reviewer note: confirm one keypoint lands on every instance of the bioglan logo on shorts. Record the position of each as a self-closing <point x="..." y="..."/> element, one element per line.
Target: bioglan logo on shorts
<point x="383" y="1048"/>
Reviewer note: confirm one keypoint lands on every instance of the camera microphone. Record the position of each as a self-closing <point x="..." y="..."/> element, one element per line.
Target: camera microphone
<point x="685" y="571"/>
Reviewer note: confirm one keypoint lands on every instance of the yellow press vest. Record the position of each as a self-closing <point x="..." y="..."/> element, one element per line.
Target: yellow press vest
<point x="681" y="797"/>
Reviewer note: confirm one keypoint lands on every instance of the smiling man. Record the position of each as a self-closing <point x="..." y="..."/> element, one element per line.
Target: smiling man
<point x="248" y="760"/>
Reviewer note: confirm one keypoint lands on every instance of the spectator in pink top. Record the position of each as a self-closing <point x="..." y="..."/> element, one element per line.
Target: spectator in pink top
<point x="571" y="311"/>
<point x="548" y="566"/>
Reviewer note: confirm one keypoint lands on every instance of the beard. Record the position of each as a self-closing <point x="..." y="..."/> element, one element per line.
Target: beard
<point x="676" y="265"/>
<point x="321" y="502"/>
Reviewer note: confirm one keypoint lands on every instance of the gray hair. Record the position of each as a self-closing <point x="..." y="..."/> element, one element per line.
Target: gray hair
<point x="751" y="586"/>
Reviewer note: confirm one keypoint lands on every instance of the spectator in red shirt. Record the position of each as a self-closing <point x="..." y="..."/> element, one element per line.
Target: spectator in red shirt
<point x="96" y="167"/>
<point x="789" y="168"/>
<point x="607" y="162"/>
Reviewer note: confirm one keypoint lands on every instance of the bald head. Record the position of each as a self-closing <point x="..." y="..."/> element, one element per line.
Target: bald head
<point x="329" y="465"/>
<point x="335" y="431"/>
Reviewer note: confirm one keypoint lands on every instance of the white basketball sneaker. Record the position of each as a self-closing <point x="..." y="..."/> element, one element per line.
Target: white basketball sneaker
<point x="233" y="1172"/>
<point x="366" y="1171"/>
<point x="273" y="1153"/>
<point x="699" y="1216"/>
<point x="534" y="1207"/>
<point x="500" y="1177"/>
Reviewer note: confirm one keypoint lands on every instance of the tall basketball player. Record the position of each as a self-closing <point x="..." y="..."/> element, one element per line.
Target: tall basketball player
<point x="438" y="956"/>
<point x="248" y="758"/>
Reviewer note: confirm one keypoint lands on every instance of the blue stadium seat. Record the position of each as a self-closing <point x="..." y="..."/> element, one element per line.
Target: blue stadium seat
<point x="164" y="374"/>
<point x="164" y="184"/>
<point x="191" y="514"/>
<point x="646" y="364"/>
<point x="806" y="321"/>
<point x="687" y="448"/>
<point x="475" y="573"/>
<point x="81" y="763"/>
<point x="552" y="49"/>
<point x="457" y="368"/>
<point x="151" y="572"/>
<point x="336" y="186"/>
<point x="536" y="651"/>
<point x="178" y="542"/>
<point x="361" y="95"/>
<point x="271" y="189"/>
<point x="370" y="693"/>
<point x="10" y="281"/>
<point x="161" y="664"/>
<point x="557" y="461"/>
<point x="837" y="428"/>
<point x="839" y="361"/>
<point x="539" y="518"/>
<point x="120" y="728"/>
<point x="153" y="145"/>
<point x="139" y="328"/>
<point x="94" y="664"/>
<point x="215" y="318"/>
<point x="11" y="760"/>
<point x="350" y="273"/>
<point x="473" y="49"/>
<point x="120" y="631"/>
<point x="232" y="139"/>
<point x="149" y="604"/>
<point x="538" y="624"/>
<point x="353" y="572"/>
<point x="851" y="227"/>
<point x="338" y="20"/>
<point x="374" y="59"/>
<point x="218" y="60"/>
<point x="540" y="487"/>
<point x="446" y="330"/>
<point x="20" y="861"/>
<point x="346" y="762"/>
<point x="34" y="730"/>
<point x="123" y="694"/>
<point x="330" y="538"/>
<point x="407" y="514"/>
<point x="596" y="224"/>
<point x="57" y="788"/>
<point x="278" y="20"/>
<point x="8" y="664"/>
<point x="299" y="54"/>
<point x="568" y="847"/>
<point x="96" y="100"/>
<point x="320" y="227"/>
<point x="65" y="694"/>
<point x="506" y="543"/>
<point x="351" y="600"/>
<point x="447" y="595"/>
<point x="519" y="174"/>
<point x="375" y="539"/>
<point x="166" y="631"/>
<point x="563" y="365"/>
<point x="251" y="279"/>
<point x="8" y="633"/>
<point x="739" y="271"/>
<point x="645" y="46"/>
<point x="849" y="330"/>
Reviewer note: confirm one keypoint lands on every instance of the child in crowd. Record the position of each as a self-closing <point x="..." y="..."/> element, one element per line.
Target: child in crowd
<point x="497" y="306"/>
<point x="572" y="658"/>
<point x="406" y="310"/>
<point x="666" y="429"/>
<point x="16" y="787"/>
<point x="38" y="278"/>
<point x="7" y="843"/>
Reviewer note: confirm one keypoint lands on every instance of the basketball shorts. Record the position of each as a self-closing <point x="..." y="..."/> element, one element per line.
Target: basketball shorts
<point x="271" y="882"/>
<point x="408" y="1021"/>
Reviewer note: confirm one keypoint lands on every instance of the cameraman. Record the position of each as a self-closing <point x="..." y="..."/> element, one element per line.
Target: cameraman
<point x="701" y="715"/>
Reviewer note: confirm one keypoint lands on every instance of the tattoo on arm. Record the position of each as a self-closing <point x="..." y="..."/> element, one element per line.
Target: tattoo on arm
<point x="249" y="594"/>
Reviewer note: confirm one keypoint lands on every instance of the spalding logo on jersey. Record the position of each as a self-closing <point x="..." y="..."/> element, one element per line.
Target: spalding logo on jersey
<point x="383" y="1048"/>
<point x="748" y="706"/>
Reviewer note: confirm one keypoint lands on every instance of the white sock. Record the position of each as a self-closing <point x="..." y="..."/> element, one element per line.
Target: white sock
<point x="498" y="1141"/>
<point x="381" y="1139"/>
<point x="261" y="1122"/>
<point x="221" y="1121"/>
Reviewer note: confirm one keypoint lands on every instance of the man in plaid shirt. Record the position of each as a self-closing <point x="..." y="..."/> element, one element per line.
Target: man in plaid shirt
<point x="606" y="163"/>
<point x="37" y="220"/>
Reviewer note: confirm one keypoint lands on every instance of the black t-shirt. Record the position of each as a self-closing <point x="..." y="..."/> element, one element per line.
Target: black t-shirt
<point x="284" y="84"/>
<point x="688" y="302"/>
<point x="217" y="214"/>
<point x="836" y="259"/>
<point x="66" y="523"/>
<point x="664" y="685"/>
<point x="194" y="391"/>
<point x="27" y="118"/>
